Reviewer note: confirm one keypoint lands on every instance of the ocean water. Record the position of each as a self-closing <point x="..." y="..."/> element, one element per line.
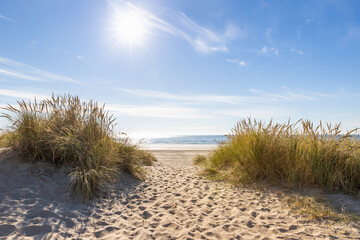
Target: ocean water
<point x="188" y="139"/>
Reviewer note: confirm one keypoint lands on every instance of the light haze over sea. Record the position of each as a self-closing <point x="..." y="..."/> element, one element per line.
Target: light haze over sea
<point x="187" y="139"/>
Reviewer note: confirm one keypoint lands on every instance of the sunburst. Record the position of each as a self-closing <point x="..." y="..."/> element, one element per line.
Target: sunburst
<point x="130" y="25"/>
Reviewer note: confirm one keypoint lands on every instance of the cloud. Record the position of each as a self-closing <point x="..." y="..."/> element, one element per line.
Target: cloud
<point x="191" y="98"/>
<point x="21" y="94"/>
<point x="258" y="112"/>
<point x="157" y="111"/>
<point x="13" y="74"/>
<point x="6" y="18"/>
<point x="297" y="51"/>
<point x="178" y="24"/>
<point x="309" y="20"/>
<point x="258" y="96"/>
<point x="79" y="57"/>
<point x="288" y="96"/>
<point x="268" y="36"/>
<point x="33" y="43"/>
<point x="266" y="50"/>
<point x="239" y="62"/>
<point x="27" y="72"/>
<point x="353" y="33"/>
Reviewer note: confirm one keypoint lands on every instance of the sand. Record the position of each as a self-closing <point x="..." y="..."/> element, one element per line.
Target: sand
<point x="173" y="203"/>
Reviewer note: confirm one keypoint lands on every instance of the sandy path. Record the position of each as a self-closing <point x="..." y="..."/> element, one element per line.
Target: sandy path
<point x="173" y="203"/>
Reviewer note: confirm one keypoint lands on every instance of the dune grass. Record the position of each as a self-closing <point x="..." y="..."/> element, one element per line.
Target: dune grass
<point x="64" y="130"/>
<point x="5" y="139"/>
<point x="299" y="154"/>
<point x="317" y="208"/>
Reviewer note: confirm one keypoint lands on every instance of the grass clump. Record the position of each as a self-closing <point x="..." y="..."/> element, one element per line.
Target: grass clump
<point x="317" y="208"/>
<point x="64" y="130"/>
<point x="199" y="159"/>
<point x="298" y="154"/>
<point x="5" y="139"/>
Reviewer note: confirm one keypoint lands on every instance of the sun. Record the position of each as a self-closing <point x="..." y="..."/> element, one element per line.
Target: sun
<point x="130" y="26"/>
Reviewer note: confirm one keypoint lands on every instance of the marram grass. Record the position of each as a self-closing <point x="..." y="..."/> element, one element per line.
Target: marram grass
<point x="318" y="208"/>
<point x="5" y="139"/>
<point x="300" y="154"/>
<point x="64" y="130"/>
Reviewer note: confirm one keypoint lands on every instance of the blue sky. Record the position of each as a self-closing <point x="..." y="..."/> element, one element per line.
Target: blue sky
<point x="186" y="67"/>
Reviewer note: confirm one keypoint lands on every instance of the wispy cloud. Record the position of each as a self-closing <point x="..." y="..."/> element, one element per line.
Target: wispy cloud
<point x="33" y="43"/>
<point x="27" y="72"/>
<point x="297" y="51"/>
<point x="6" y="18"/>
<point x="266" y="50"/>
<point x="257" y="96"/>
<point x="21" y="94"/>
<point x="180" y="25"/>
<point x="239" y="62"/>
<point x="268" y="35"/>
<point x="258" y="112"/>
<point x="157" y="111"/>
<point x="288" y="96"/>
<point x="13" y="74"/>
<point x="206" y="98"/>
<point x="313" y="94"/>
<point x="353" y="32"/>
<point x="309" y="20"/>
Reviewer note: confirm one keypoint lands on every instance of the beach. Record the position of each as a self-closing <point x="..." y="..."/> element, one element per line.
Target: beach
<point x="190" y="120"/>
<point x="174" y="202"/>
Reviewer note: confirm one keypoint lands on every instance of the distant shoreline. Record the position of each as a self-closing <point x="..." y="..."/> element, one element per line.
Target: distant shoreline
<point x="179" y="147"/>
<point x="183" y="140"/>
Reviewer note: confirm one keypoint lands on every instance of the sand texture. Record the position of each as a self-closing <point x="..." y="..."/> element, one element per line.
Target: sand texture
<point x="173" y="203"/>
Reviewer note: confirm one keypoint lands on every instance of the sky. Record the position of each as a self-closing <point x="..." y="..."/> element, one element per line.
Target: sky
<point x="178" y="67"/>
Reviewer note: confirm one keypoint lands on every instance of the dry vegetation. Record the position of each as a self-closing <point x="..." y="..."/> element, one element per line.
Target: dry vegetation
<point x="296" y="155"/>
<point x="66" y="131"/>
<point x="317" y="208"/>
<point x="299" y="154"/>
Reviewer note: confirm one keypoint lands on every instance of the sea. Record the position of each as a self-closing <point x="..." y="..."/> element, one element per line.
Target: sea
<point x="186" y="139"/>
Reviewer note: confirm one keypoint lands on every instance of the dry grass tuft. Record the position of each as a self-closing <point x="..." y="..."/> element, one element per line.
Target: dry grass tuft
<point x="199" y="159"/>
<point x="66" y="131"/>
<point x="299" y="154"/>
<point x="5" y="139"/>
<point x="317" y="208"/>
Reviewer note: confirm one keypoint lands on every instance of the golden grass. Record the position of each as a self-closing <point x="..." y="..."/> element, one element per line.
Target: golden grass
<point x="299" y="154"/>
<point x="66" y="131"/>
<point x="4" y="139"/>
<point x="317" y="208"/>
<point x="199" y="159"/>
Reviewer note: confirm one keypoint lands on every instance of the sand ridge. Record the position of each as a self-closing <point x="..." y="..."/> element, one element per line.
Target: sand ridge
<point x="173" y="203"/>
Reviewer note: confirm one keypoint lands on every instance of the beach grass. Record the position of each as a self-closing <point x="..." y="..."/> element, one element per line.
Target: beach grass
<point x="64" y="130"/>
<point x="5" y="139"/>
<point x="317" y="207"/>
<point x="298" y="154"/>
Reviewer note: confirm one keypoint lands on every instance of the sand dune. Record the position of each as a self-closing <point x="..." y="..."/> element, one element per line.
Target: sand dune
<point x="173" y="203"/>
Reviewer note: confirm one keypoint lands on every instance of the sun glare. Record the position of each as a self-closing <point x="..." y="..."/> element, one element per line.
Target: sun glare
<point x="130" y="26"/>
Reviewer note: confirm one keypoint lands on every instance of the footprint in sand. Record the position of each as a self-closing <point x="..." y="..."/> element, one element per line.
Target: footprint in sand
<point x="250" y="224"/>
<point x="172" y="226"/>
<point x="145" y="215"/>
<point x="101" y="223"/>
<point x="42" y="214"/>
<point x="105" y="231"/>
<point x="35" y="230"/>
<point x="6" y="229"/>
<point x="293" y="227"/>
